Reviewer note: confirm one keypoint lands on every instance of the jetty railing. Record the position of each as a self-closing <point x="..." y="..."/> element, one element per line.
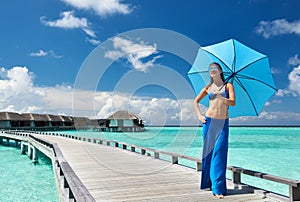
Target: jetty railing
<point x="294" y="185"/>
<point x="70" y="186"/>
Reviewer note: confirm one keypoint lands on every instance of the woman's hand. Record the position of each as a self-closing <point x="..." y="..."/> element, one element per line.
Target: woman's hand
<point x="202" y="119"/>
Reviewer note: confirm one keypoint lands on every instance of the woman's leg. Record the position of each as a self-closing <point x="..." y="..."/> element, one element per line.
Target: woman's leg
<point x="219" y="161"/>
<point x="206" y="158"/>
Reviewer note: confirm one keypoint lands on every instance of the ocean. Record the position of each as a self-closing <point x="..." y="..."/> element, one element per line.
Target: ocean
<point x="272" y="150"/>
<point x="23" y="181"/>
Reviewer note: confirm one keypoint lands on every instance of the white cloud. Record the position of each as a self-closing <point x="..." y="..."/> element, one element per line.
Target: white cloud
<point x="268" y="103"/>
<point x="93" y="41"/>
<point x="101" y="7"/>
<point x="269" y="118"/>
<point x="134" y="52"/>
<point x="294" y="61"/>
<point x="294" y="84"/>
<point x="69" y="21"/>
<point x="278" y="27"/>
<point x="284" y="92"/>
<point x="42" y="53"/>
<point x="294" y="78"/>
<point x="275" y="70"/>
<point x="17" y="91"/>
<point x="53" y="54"/>
<point x="262" y="116"/>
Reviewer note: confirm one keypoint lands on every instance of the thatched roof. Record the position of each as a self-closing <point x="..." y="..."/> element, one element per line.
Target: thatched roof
<point x="66" y="118"/>
<point x="11" y="116"/>
<point x="54" y="118"/>
<point x="36" y="117"/>
<point x="123" y="114"/>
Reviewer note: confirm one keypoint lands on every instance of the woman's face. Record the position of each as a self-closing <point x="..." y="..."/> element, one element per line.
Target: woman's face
<point x="214" y="71"/>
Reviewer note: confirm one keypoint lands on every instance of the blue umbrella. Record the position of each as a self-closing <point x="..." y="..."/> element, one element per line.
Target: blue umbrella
<point x="247" y="69"/>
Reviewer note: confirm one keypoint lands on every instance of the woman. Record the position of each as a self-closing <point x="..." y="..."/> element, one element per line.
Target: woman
<point x="215" y="131"/>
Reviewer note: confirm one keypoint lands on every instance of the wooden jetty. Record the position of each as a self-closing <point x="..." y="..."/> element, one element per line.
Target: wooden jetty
<point x="102" y="170"/>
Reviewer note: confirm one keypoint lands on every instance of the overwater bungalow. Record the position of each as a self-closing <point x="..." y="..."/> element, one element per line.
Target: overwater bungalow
<point x="37" y="120"/>
<point x="125" y="121"/>
<point x="121" y="121"/>
<point x="12" y="119"/>
<point x="34" y="121"/>
<point x="67" y="121"/>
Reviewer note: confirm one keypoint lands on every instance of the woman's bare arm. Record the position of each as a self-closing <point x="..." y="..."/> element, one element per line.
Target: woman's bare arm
<point x="231" y="100"/>
<point x="200" y="96"/>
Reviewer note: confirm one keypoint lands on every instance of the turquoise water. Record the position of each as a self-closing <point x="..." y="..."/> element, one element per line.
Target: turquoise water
<point x="23" y="181"/>
<point x="272" y="150"/>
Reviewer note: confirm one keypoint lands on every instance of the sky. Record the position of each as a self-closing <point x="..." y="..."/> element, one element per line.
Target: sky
<point x="92" y="58"/>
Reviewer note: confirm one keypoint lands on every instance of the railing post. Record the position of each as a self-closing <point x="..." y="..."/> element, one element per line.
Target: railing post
<point x="132" y="149"/>
<point x="143" y="151"/>
<point x="124" y="146"/>
<point x="156" y="155"/>
<point x="198" y="166"/>
<point x="236" y="177"/>
<point x="174" y="159"/>
<point x="116" y="144"/>
<point x="294" y="192"/>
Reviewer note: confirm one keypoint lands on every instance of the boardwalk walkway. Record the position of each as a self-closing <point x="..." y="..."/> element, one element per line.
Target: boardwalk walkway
<point x="112" y="174"/>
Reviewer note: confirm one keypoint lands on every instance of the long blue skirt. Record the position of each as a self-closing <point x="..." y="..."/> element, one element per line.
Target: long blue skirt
<point x="214" y="155"/>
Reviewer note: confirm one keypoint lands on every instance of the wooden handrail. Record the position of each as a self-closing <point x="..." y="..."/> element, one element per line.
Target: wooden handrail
<point x="265" y="176"/>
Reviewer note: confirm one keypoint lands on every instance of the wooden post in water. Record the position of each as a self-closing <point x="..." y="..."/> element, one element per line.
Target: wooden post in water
<point x="29" y="151"/>
<point x="23" y="148"/>
<point x="34" y="155"/>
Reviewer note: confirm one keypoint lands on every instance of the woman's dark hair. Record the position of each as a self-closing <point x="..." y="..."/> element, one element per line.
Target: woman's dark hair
<point x="220" y="68"/>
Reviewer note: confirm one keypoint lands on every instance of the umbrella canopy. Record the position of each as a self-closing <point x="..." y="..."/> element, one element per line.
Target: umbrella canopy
<point x="247" y="69"/>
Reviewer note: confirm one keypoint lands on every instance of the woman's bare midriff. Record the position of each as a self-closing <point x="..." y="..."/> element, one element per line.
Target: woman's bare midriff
<point x="217" y="109"/>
